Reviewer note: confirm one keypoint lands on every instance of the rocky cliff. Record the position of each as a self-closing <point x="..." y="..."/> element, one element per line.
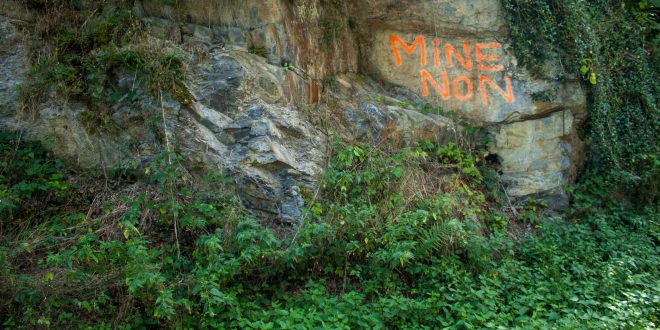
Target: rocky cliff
<point x="266" y="80"/>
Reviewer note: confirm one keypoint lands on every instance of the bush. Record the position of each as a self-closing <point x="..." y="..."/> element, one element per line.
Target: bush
<point x="26" y="176"/>
<point x="174" y="251"/>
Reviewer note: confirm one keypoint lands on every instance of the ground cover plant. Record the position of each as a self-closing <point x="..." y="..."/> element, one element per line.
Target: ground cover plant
<point x="408" y="237"/>
<point x="137" y="255"/>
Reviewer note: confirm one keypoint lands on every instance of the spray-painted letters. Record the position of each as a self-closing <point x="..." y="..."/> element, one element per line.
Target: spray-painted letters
<point x="460" y="87"/>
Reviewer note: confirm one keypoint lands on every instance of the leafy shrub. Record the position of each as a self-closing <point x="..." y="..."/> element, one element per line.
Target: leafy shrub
<point x="172" y="250"/>
<point x="25" y="176"/>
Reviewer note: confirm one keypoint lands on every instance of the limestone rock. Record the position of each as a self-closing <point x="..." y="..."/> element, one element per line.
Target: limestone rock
<point x="539" y="157"/>
<point x="458" y="56"/>
<point x="379" y="115"/>
<point x="261" y="72"/>
<point x="13" y="59"/>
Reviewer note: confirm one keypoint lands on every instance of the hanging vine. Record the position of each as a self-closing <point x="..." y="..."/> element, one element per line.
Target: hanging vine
<point x="613" y="46"/>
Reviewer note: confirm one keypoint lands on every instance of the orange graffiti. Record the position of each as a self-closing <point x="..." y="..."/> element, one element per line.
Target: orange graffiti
<point x="408" y="49"/>
<point x="465" y="62"/>
<point x="436" y="52"/>
<point x="508" y="95"/>
<point x="462" y="87"/>
<point x="468" y="84"/>
<point x="481" y="57"/>
<point x="443" y="91"/>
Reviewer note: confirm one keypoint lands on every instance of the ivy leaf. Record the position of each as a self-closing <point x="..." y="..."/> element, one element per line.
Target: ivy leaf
<point x="584" y="69"/>
<point x="115" y="96"/>
<point x="49" y="276"/>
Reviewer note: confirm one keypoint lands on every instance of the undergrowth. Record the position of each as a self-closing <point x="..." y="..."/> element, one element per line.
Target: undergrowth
<point x="83" y="49"/>
<point x="396" y="238"/>
<point x="376" y="250"/>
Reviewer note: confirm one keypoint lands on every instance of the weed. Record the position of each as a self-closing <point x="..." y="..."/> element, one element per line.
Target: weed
<point x="331" y="82"/>
<point x="257" y="50"/>
<point x="171" y="250"/>
<point x="85" y="57"/>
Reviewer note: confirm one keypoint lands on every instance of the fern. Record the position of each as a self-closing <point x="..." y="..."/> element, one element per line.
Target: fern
<point x="441" y="238"/>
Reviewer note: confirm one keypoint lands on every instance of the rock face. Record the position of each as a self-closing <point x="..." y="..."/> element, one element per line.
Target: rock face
<point x="458" y="56"/>
<point x="13" y="58"/>
<point x="261" y="71"/>
<point x="539" y="156"/>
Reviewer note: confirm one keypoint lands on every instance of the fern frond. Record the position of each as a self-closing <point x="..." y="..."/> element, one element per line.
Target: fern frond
<point x="441" y="239"/>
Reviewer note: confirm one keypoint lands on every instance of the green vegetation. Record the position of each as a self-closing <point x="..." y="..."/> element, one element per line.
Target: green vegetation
<point x="257" y="50"/>
<point x="387" y="246"/>
<point x="85" y="48"/>
<point x="332" y="22"/>
<point x="407" y="238"/>
<point x="330" y="82"/>
<point x="26" y="173"/>
<point x="613" y="46"/>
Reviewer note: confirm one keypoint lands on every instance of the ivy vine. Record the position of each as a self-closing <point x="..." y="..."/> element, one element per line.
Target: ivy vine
<point x="613" y="46"/>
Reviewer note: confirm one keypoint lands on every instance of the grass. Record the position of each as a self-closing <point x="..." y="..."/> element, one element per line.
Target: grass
<point x="81" y="52"/>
